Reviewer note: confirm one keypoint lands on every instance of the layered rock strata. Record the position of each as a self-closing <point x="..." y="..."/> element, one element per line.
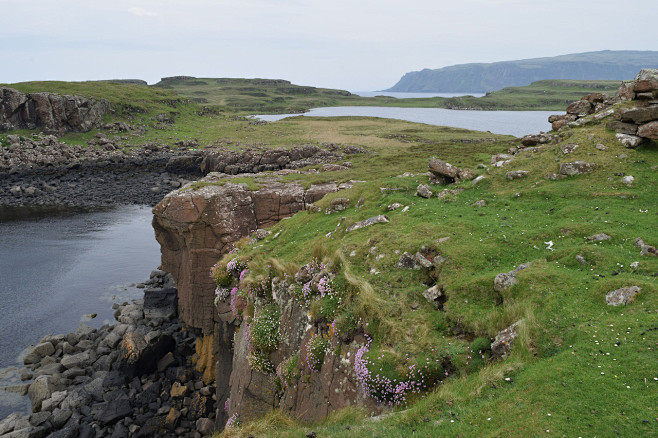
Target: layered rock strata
<point x="53" y="113"/>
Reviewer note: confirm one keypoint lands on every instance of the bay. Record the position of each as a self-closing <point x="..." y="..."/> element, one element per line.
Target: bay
<point x="57" y="267"/>
<point x="516" y="123"/>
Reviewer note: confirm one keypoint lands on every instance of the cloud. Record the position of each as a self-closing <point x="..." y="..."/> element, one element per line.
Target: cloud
<point x="141" y="12"/>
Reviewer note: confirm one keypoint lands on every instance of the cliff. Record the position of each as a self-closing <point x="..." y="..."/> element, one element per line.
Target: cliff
<point x="53" y="113"/>
<point x="482" y="77"/>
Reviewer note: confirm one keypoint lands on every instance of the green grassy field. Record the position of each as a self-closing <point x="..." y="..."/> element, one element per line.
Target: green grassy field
<point x="579" y="366"/>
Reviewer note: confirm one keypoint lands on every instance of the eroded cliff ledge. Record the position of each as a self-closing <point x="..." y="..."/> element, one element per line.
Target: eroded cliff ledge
<point x="196" y="226"/>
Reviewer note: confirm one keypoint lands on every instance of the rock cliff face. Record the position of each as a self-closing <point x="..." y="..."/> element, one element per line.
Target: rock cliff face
<point x="195" y="227"/>
<point x="53" y="113"/>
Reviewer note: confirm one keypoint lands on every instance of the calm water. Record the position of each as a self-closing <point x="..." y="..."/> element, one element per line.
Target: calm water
<point x="58" y="268"/>
<point x="517" y="123"/>
<point x="399" y="95"/>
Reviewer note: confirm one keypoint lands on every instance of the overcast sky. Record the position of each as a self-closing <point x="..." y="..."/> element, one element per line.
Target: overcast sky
<point x="358" y="45"/>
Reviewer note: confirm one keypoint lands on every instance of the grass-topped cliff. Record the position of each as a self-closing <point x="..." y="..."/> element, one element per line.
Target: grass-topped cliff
<point x="578" y="366"/>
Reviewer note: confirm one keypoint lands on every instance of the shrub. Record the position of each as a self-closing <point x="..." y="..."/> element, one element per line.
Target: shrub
<point x="288" y="371"/>
<point x="315" y="352"/>
<point x="265" y="335"/>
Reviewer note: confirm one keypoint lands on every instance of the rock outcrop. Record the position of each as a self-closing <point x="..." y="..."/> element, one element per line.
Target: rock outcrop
<point x="196" y="227"/>
<point x="53" y="113"/>
<point x="633" y="126"/>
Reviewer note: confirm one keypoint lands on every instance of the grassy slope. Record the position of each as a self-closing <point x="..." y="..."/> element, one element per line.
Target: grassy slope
<point x="570" y="331"/>
<point x="567" y="363"/>
<point x="259" y="96"/>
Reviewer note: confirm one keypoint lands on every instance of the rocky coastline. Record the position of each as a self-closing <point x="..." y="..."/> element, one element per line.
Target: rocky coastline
<point x="42" y="171"/>
<point x="133" y="378"/>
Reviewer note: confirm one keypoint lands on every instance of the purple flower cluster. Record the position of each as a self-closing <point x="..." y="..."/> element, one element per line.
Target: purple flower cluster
<point x="232" y="421"/>
<point x="382" y="388"/>
<point x="234" y="293"/>
<point x="315" y="352"/>
<point x="226" y="404"/>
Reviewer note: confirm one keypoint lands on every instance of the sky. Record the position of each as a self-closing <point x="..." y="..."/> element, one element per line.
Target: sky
<point x="356" y="45"/>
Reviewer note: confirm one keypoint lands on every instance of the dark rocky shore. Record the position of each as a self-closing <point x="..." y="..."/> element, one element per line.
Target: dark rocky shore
<point x="41" y="171"/>
<point x="134" y="378"/>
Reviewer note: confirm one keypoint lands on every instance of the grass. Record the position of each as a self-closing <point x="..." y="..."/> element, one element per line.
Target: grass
<point x="588" y="365"/>
<point x="569" y="335"/>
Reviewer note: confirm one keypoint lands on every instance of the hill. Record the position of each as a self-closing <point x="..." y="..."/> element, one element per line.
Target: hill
<point x="484" y="77"/>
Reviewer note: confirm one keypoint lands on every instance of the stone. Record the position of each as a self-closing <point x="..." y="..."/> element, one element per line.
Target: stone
<point x="645" y="249"/>
<point x="601" y="147"/>
<point x="113" y="411"/>
<point x="60" y="417"/>
<point x="172" y="419"/>
<point x="621" y="127"/>
<point x="622" y="296"/>
<point x="516" y="174"/>
<point x="639" y="115"/>
<point x="408" y="261"/>
<point x="535" y="139"/>
<point x="79" y="360"/>
<point x="160" y="303"/>
<point x="628" y="180"/>
<point x="630" y="141"/>
<point x="506" y="280"/>
<point x="504" y="341"/>
<point x="205" y="426"/>
<point x="381" y="219"/>
<point x="340" y="204"/>
<point x="480" y="203"/>
<point x="478" y="179"/>
<point x="178" y="390"/>
<point x="581" y="259"/>
<point x="166" y="361"/>
<point x="576" y="168"/>
<point x="447" y="173"/>
<point x="598" y="237"/>
<point x="449" y="192"/>
<point x="424" y="191"/>
<point x="580" y="108"/>
<point x="568" y="148"/>
<point x="42" y="389"/>
<point x="646" y="80"/>
<point x="649" y="130"/>
<point x="435" y="296"/>
<point x="394" y="206"/>
<point x="45" y="349"/>
<point x="333" y="168"/>
<point x="139" y="357"/>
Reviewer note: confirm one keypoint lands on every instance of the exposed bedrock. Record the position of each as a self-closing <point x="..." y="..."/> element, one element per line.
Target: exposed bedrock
<point x="53" y="113"/>
<point x="195" y="227"/>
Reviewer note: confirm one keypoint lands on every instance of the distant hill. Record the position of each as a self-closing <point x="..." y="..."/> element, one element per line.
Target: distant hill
<point x="481" y="78"/>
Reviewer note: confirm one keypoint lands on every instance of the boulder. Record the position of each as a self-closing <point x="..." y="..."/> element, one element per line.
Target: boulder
<point x="598" y="237"/>
<point x="568" y="148"/>
<point x="381" y="219"/>
<point x="580" y="108"/>
<point x="621" y="127"/>
<point x="340" y="204"/>
<point x="446" y="172"/>
<point x="506" y="280"/>
<point x="516" y="174"/>
<point x="639" y="115"/>
<point x="139" y="356"/>
<point x="576" y="168"/>
<point x="630" y="141"/>
<point x="504" y="341"/>
<point x="646" y="80"/>
<point x="645" y="249"/>
<point x="42" y="389"/>
<point x="424" y="191"/>
<point x="110" y="412"/>
<point x="160" y="303"/>
<point x="649" y="130"/>
<point x="205" y="426"/>
<point x="622" y="296"/>
<point x="435" y="296"/>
